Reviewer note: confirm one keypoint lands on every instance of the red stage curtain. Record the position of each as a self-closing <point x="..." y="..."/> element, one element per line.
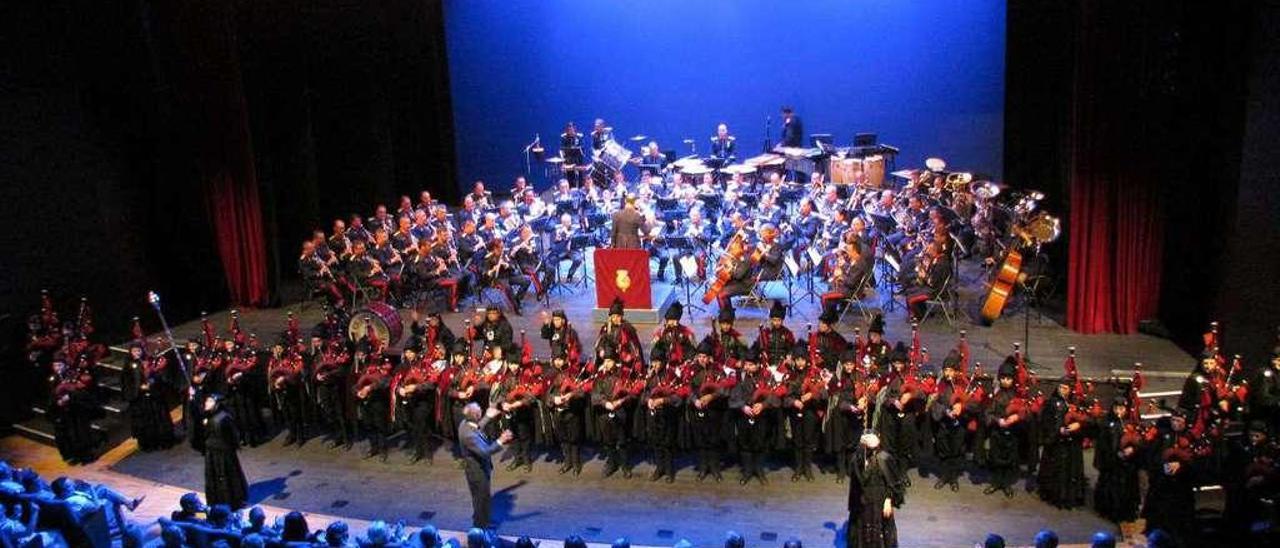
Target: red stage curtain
<point x="1114" y="228"/>
<point x="210" y="74"/>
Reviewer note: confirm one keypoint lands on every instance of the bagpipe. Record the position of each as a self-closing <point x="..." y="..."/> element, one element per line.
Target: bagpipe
<point x="371" y="376"/>
<point x="153" y="369"/>
<point x="238" y="365"/>
<point x="69" y="384"/>
<point x="332" y="359"/>
<point x="284" y="370"/>
<point x="670" y="384"/>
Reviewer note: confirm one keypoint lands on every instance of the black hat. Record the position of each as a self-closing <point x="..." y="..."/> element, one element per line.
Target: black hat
<point x="616" y="307"/>
<point x="1180" y="412"/>
<point x="849" y="355"/>
<point x="726" y="315"/>
<point x="705" y="347"/>
<point x="877" y="325"/>
<point x="1208" y="354"/>
<point x="777" y="310"/>
<point x="952" y="360"/>
<point x="800" y="350"/>
<point x="1008" y="368"/>
<point x="675" y="311"/>
<point x="559" y="313"/>
<point x="1119" y="400"/>
<point x="460" y="347"/>
<point x="899" y="353"/>
<point x="1259" y="426"/>
<point x="198" y="341"/>
<point x="829" y="315"/>
<point x="750" y="355"/>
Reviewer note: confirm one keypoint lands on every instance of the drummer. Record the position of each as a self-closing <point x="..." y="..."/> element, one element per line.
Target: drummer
<point x="723" y="145"/>
<point x="653" y="161"/>
<point x="600" y="134"/>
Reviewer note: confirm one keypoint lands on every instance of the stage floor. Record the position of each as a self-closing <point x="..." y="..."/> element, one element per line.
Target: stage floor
<point x="1044" y="340"/>
<point x="544" y="504"/>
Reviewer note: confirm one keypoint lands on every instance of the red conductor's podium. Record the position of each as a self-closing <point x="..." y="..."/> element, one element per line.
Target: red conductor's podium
<point x="624" y="274"/>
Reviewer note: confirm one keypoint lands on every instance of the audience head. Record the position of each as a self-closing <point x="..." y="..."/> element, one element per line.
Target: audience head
<point x="1046" y="539"/>
<point x="525" y="542"/>
<point x="61" y="487"/>
<point x="257" y="517"/>
<point x="793" y="543"/>
<point x="1103" y="539"/>
<point x="429" y="537"/>
<point x="377" y="533"/>
<point x="253" y="540"/>
<point x="575" y="541"/>
<point x="336" y="534"/>
<point x="1158" y="538"/>
<point x="173" y="537"/>
<point x="477" y="538"/>
<point x="622" y="542"/>
<point x="5" y="471"/>
<point x="219" y="515"/>
<point x="683" y="543"/>
<point x="295" y="527"/>
<point x="734" y="540"/>
<point x="993" y="541"/>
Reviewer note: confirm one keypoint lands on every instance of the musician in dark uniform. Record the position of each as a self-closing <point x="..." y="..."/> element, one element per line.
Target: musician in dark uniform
<point x="709" y="388"/>
<point x="751" y="401"/>
<point x="627" y="225"/>
<point x="723" y="145"/>
<point x="415" y="397"/>
<point x="562" y="247"/>
<point x="1004" y="417"/>
<point x="792" y="129"/>
<point x="741" y="273"/>
<point x="621" y="337"/>
<point x="829" y="342"/>
<point x="528" y="260"/>
<point x="847" y="415"/>
<point x="316" y="275"/>
<point x="600" y="134"/>
<point x="74" y="408"/>
<point x="142" y="386"/>
<point x="571" y="153"/>
<point x="497" y="271"/>
<point x="673" y="339"/>
<point x="775" y="340"/>
<point x="804" y="404"/>
<point x="285" y="375"/>
<point x="932" y="275"/>
<point x="726" y="342"/>
<point x="947" y="412"/>
<point x="495" y="331"/>
<point x="367" y="270"/>
<point x="516" y="396"/>
<point x="567" y="399"/>
<point x="877" y="489"/>
<point x="652" y="160"/>
<point x="613" y="401"/>
<point x="661" y="404"/>
<point x="373" y="396"/>
<point x="332" y="396"/>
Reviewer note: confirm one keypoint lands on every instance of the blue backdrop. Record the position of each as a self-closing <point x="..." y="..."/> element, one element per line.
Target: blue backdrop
<point x="926" y="75"/>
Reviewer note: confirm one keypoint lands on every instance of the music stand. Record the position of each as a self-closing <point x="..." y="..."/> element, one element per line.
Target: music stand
<point x="684" y="244"/>
<point x="581" y="242"/>
<point x="711" y="202"/>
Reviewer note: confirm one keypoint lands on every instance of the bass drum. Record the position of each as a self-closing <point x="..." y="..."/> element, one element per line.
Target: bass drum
<point x="873" y="171"/>
<point x="382" y="318"/>
<point x="845" y="171"/>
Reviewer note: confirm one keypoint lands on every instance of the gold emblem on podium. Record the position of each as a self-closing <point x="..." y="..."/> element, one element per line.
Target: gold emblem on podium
<point x="622" y="279"/>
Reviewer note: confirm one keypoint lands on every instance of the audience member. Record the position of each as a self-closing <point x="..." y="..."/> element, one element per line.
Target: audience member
<point x="295" y="528"/>
<point x="623" y="542"/>
<point x="190" y="509"/>
<point x="1103" y="539"/>
<point x="993" y="541"/>
<point x="1046" y="539"/>
<point x="575" y="541"/>
<point x="337" y="534"/>
<point x="734" y="540"/>
<point x="478" y="538"/>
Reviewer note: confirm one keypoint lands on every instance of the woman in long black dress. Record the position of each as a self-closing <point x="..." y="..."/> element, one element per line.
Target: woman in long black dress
<point x="224" y="481"/>
<point x="142" y="384"/>
<point x="875" y="491"/>
<point x="1116" y="456"/>
<point x="1061" y="479"/>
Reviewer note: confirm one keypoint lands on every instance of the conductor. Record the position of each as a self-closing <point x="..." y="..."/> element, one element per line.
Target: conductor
<point x="627" y="224"/>
<point x="477" y="459"/>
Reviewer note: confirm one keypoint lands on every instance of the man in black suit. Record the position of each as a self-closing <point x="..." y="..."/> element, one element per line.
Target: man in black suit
<point x="477" y="459"/>
<point x="792" y="129"/>
<point x="627" y="223"/>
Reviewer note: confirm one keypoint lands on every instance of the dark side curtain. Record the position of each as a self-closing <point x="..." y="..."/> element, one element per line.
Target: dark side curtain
<point x="210" y="85"/>
<point x="1115" y="228"/>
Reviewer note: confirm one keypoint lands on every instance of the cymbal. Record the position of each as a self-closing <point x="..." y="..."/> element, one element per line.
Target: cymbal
<point x="687" y="162"/>
<point x="687" y="141"/>
<point x="906" y="173"/>
<point x="555" y="160"/>
<point x="739" y="168"/>
<point x="935" y="164"/>
<point x="638" y="138"/>
<point x="697" y="169"/>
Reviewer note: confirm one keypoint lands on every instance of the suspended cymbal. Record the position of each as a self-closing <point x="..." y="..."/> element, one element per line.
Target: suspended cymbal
<point x="638" y="138"/>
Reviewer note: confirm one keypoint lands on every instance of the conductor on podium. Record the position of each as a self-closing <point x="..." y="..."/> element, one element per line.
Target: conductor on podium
<point x="627" y="224"/>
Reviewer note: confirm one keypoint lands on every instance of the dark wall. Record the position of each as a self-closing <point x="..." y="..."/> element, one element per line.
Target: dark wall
<point x="348" y="106"/>
<point x="1197" y="76"/>
<point x="1248" y="299"/>
<point x="926" y="75"/>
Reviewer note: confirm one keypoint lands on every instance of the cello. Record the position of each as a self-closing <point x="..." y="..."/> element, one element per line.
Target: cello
<point x="1002" y="286"/>
<point x="735" y="251"/>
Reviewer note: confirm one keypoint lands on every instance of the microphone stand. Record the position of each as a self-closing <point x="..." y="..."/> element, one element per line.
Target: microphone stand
<point x="768" y="130"/>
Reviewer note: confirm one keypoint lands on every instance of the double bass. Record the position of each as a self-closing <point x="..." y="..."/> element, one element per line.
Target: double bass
<point x="1002" y="286"/>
